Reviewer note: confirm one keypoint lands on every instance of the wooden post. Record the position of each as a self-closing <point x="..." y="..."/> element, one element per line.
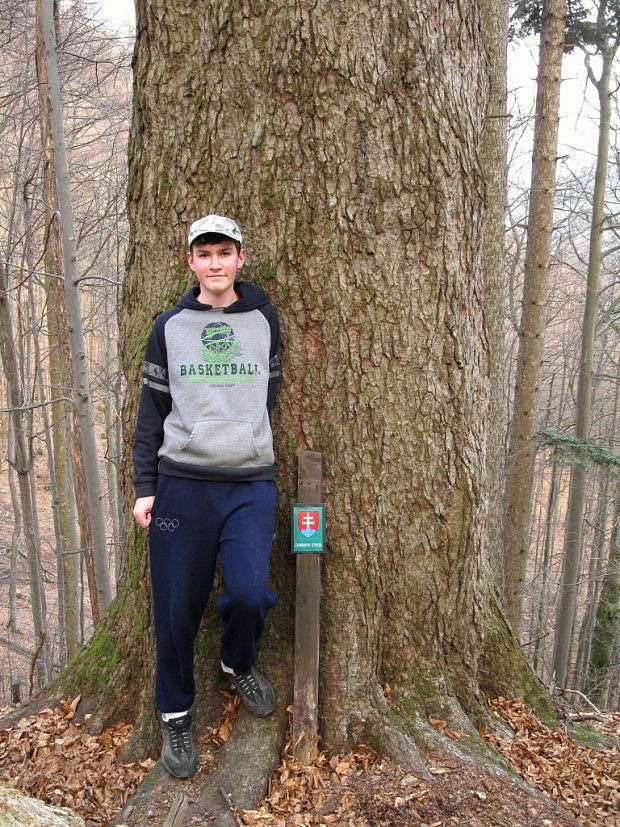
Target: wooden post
<point x="307" y="620"/>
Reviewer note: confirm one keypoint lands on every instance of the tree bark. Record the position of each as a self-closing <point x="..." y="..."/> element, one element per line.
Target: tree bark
<point x="493" y="153"/>
<point x="314" y="159"/>
<point x="524" y="423"/>
<point x="112" y="414"/>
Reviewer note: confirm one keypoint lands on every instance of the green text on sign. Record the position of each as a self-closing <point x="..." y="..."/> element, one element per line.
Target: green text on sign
<point x="308" y="529"/>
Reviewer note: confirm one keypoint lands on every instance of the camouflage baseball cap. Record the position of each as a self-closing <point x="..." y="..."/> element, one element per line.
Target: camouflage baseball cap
<point x="214" y="224"/>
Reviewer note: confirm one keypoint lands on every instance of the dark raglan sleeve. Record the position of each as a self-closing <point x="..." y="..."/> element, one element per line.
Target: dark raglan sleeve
<point x="274" y="357"/>
<point x="155" y="405"/>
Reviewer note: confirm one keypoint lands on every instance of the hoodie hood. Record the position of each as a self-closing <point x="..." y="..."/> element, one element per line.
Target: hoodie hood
<point x="250" y="298"/>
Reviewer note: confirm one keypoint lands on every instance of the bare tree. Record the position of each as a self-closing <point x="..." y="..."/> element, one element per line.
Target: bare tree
<point x="63" y="414"/>
<point x="522" y="446"/>
<point x="83" y="399"/>
<point x="16" y="535"/>
<point x="18" y="173"/>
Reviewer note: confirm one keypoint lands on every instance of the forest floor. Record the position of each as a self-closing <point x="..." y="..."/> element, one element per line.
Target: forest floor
<point x="52" y="757"/>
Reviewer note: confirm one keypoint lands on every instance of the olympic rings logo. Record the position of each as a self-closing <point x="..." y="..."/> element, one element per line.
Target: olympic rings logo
<point x="167" y="524"/>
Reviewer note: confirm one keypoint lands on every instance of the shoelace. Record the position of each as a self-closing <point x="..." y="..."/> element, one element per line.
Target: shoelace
<point x="247" y="684"/>
<point x="179" y="735"/>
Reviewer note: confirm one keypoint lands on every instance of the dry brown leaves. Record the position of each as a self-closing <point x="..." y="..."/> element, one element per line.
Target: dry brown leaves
<point x="442" y="726"/>
<point x="583" y="780"/>
<point x="314" y="794"/>
<point x="360" y="789"/>
<point x="49" y="756"/>
<point x="217" y="735"/>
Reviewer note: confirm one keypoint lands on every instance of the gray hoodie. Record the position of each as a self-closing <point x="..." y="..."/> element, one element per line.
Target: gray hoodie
<point x="209" y="384"/>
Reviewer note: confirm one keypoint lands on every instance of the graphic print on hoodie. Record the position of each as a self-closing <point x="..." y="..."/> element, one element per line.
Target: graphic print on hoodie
<point x="209" y="384"/>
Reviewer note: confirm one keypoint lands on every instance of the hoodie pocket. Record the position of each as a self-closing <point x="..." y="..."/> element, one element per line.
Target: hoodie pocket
<point x="221" y="443"/>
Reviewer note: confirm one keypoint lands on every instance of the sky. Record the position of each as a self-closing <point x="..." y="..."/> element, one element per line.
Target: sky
<point x="119" y="13"/>
<point x="578" y="131"/>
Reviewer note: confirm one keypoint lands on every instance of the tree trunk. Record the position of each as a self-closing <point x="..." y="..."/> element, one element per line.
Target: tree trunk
<point x="522" y="436"/>
<point x="110" y="370"/>
<point x="574" y="518"/>
<point x="595" y="575"/>
<point x="493" y="152"/>
<point x="612" y="697"/>
<point x="60" y="373"/>
<point x="608" y="637"/>
<point x="38" y="381"/>
<point x="607" y="619"/>
<point x="16" y="534"/>
<point x="352" y="163"/>
<point x="20" y="413"/>
<point x="543" y="595"/>
<point x="83" y="400"/>
<point x="536" y="554"/>
<point x="379" y="351"/>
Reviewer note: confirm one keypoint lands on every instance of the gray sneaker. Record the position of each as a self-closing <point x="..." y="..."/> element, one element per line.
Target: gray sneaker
<point x="177" y="752"/>
<point x="256" y="692"/>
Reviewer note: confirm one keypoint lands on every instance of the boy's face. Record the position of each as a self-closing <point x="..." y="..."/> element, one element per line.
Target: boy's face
<point x="216" y="267"/>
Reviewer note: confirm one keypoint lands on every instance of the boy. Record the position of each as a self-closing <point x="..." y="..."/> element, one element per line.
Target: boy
<point x="203" y="459"/>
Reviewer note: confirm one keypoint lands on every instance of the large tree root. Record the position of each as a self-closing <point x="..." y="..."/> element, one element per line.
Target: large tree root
<point x="240" y="778"/>
<point x="245" y="766"/>
<point x="410" y="740"/>
<point x="471" y="750"/>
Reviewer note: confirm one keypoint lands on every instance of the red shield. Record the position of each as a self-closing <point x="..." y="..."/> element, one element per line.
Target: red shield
<point x="307" y="522"/>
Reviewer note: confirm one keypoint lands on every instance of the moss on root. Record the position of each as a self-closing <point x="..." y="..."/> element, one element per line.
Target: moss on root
<point x="90" y="670"/>
<point x="590" y="738"/>
<point x="417" y="696"/>
<point x="504" y="670"/>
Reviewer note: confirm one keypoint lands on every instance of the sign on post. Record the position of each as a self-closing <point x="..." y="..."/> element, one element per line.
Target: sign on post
<point x="308" y="529"/>
<point x="308" y="543"/>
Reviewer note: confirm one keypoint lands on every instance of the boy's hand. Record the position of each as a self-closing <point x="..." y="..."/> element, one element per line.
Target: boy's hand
<point x="142" y="511"/>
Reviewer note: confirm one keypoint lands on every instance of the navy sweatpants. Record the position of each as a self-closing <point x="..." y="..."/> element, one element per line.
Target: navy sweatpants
<point x="192" y="522"/>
